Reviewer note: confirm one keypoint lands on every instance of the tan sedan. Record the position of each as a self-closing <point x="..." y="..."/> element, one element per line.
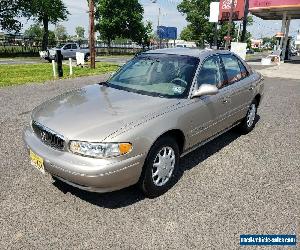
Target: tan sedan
<point x="134" y="128"/>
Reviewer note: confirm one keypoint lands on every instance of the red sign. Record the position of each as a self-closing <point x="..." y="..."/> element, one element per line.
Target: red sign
<point x="268" y="4"/>
<point x="238" y="10"/>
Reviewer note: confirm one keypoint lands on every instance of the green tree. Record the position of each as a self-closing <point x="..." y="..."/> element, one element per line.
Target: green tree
<point x="187" y="34"/>
<point x="120" y="18"/>
<point x="10" y="12"/>
<point x="60" y="32"/>
<point x="146" y="34"/>
<point x="223" y="31"/>
<point x="52" y="38"/>
<point x="269" y="42"/>
<point x="197" y="14"/>
<point x="46" y="12"/>
<point x="34" y="32"/>
<point x="199" y="28"/>
<point x="80" y="32"/>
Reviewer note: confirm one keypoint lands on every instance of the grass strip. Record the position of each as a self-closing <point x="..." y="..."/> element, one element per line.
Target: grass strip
<point x="38" y="73"/>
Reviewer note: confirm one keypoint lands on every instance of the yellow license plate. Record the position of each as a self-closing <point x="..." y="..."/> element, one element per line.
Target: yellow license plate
<point x="37" y="162"/>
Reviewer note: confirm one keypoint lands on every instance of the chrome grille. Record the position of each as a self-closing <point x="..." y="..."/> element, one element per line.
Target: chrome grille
<point x="48" y="137"/>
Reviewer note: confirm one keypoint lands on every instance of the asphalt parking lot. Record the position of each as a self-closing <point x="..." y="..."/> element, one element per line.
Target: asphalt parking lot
<point x="234" y="185"/>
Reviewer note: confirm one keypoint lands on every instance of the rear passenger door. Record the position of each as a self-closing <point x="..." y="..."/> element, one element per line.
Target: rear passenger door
<point x="238" y="86"/>
<point x="73" y="50"/>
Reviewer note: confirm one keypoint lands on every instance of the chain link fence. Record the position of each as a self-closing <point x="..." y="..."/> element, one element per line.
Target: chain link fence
<point x="17" y="46"/>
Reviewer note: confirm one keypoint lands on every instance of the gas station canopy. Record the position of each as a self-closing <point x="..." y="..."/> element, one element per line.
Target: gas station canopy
<point x="275" y="9"/>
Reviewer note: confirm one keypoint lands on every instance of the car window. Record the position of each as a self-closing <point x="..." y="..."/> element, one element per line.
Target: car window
<point x="68" y="46"/>
<point x="74" y="46"/>
<point x="210" y="73"/>
<point x="232" y="68"/>
<point x="244" y="71"/>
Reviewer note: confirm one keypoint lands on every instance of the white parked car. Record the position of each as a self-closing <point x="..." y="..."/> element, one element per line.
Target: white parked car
<point x="68" y="50"/>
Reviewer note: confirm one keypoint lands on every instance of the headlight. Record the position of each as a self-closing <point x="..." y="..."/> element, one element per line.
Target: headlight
<point x="100" y="150"/>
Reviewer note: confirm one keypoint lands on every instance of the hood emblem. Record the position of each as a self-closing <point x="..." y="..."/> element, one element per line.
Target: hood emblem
<point x="43" y="136"/>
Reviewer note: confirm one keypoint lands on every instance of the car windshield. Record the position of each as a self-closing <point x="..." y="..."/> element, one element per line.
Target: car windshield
<point x="161" y="75"/>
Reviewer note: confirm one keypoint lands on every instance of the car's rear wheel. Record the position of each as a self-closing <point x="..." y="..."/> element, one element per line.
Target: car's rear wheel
<point x="161" y="167"/>
<point x="248" y="123"/>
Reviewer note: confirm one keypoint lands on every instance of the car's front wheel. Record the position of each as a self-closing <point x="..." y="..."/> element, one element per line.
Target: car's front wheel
<point x="161" y="167"/>
<point x="87" y="57"/>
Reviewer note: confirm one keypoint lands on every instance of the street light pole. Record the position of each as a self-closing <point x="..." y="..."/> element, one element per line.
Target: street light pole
<point x="92" y="33"/>
<point x="245" y="21"/>
<point x="159" y="13"/>
<point x="158" y="22"/>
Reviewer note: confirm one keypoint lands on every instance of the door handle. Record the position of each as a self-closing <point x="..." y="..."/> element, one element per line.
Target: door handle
<point x="226" y="100"/>
<point x="251" y="88"/>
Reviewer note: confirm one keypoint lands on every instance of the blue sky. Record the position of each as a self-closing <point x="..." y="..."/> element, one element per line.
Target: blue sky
<point x="170" y="17"/>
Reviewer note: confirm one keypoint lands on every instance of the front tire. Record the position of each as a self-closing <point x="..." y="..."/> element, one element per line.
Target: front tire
<point x="87" y="58"/>
<point x="161" y="167"/>
<point x="248" y="123"/>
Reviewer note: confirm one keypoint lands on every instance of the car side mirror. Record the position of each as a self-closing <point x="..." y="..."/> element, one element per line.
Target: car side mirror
<point x="206" y="89"/>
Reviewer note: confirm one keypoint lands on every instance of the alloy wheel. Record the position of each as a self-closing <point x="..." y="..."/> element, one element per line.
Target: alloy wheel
<point x="163" y="166"/>
<point x="251" y="115"/>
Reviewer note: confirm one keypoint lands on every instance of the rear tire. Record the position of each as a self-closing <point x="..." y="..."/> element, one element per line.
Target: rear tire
<point x="248" y="123"/>
<point x="161" y="168"/>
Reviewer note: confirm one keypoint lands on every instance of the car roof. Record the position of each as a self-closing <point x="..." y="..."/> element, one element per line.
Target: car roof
<point x="199" y="53"/>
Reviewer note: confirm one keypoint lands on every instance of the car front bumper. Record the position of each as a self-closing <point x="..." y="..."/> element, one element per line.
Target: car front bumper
<point x="95" y="175"/>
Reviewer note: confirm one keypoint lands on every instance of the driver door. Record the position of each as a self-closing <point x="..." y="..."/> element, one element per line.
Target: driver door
<point x="209" y="113"/>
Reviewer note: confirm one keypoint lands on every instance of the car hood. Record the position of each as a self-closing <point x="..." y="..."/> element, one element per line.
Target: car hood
<point x="95" y="112"/>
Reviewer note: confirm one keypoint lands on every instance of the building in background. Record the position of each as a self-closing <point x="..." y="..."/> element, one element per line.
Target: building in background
<point x="297" y="42"/>
<point x="284" y="10"/>
<point x="181" y="44"/>
<point x="256" y="43"/>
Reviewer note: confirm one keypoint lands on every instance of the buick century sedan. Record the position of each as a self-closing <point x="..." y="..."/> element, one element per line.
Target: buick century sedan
<point x="133" y="128"/>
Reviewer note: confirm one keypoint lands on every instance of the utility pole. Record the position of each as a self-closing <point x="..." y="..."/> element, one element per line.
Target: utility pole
<point x="239" y="32"/>
<point x="158" y="24"/>
<point x="229" y="25"/>
<point x="92" y="33"/>
<point x="245" y="21"/>
<point x="216" y="36"/>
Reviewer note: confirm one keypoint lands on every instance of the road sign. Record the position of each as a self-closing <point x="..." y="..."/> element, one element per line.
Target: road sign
<point x="169" y="33"/>
<point x="238" y="10"/>
<point x="214" y="12"/>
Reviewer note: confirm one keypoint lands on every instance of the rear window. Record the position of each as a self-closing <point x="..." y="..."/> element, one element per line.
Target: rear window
<point x="232" y="68"/>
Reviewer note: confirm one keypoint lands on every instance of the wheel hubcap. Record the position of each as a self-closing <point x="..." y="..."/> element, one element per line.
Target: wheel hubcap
<point x="251" y="115"/>
<point x="163" y="166"/>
